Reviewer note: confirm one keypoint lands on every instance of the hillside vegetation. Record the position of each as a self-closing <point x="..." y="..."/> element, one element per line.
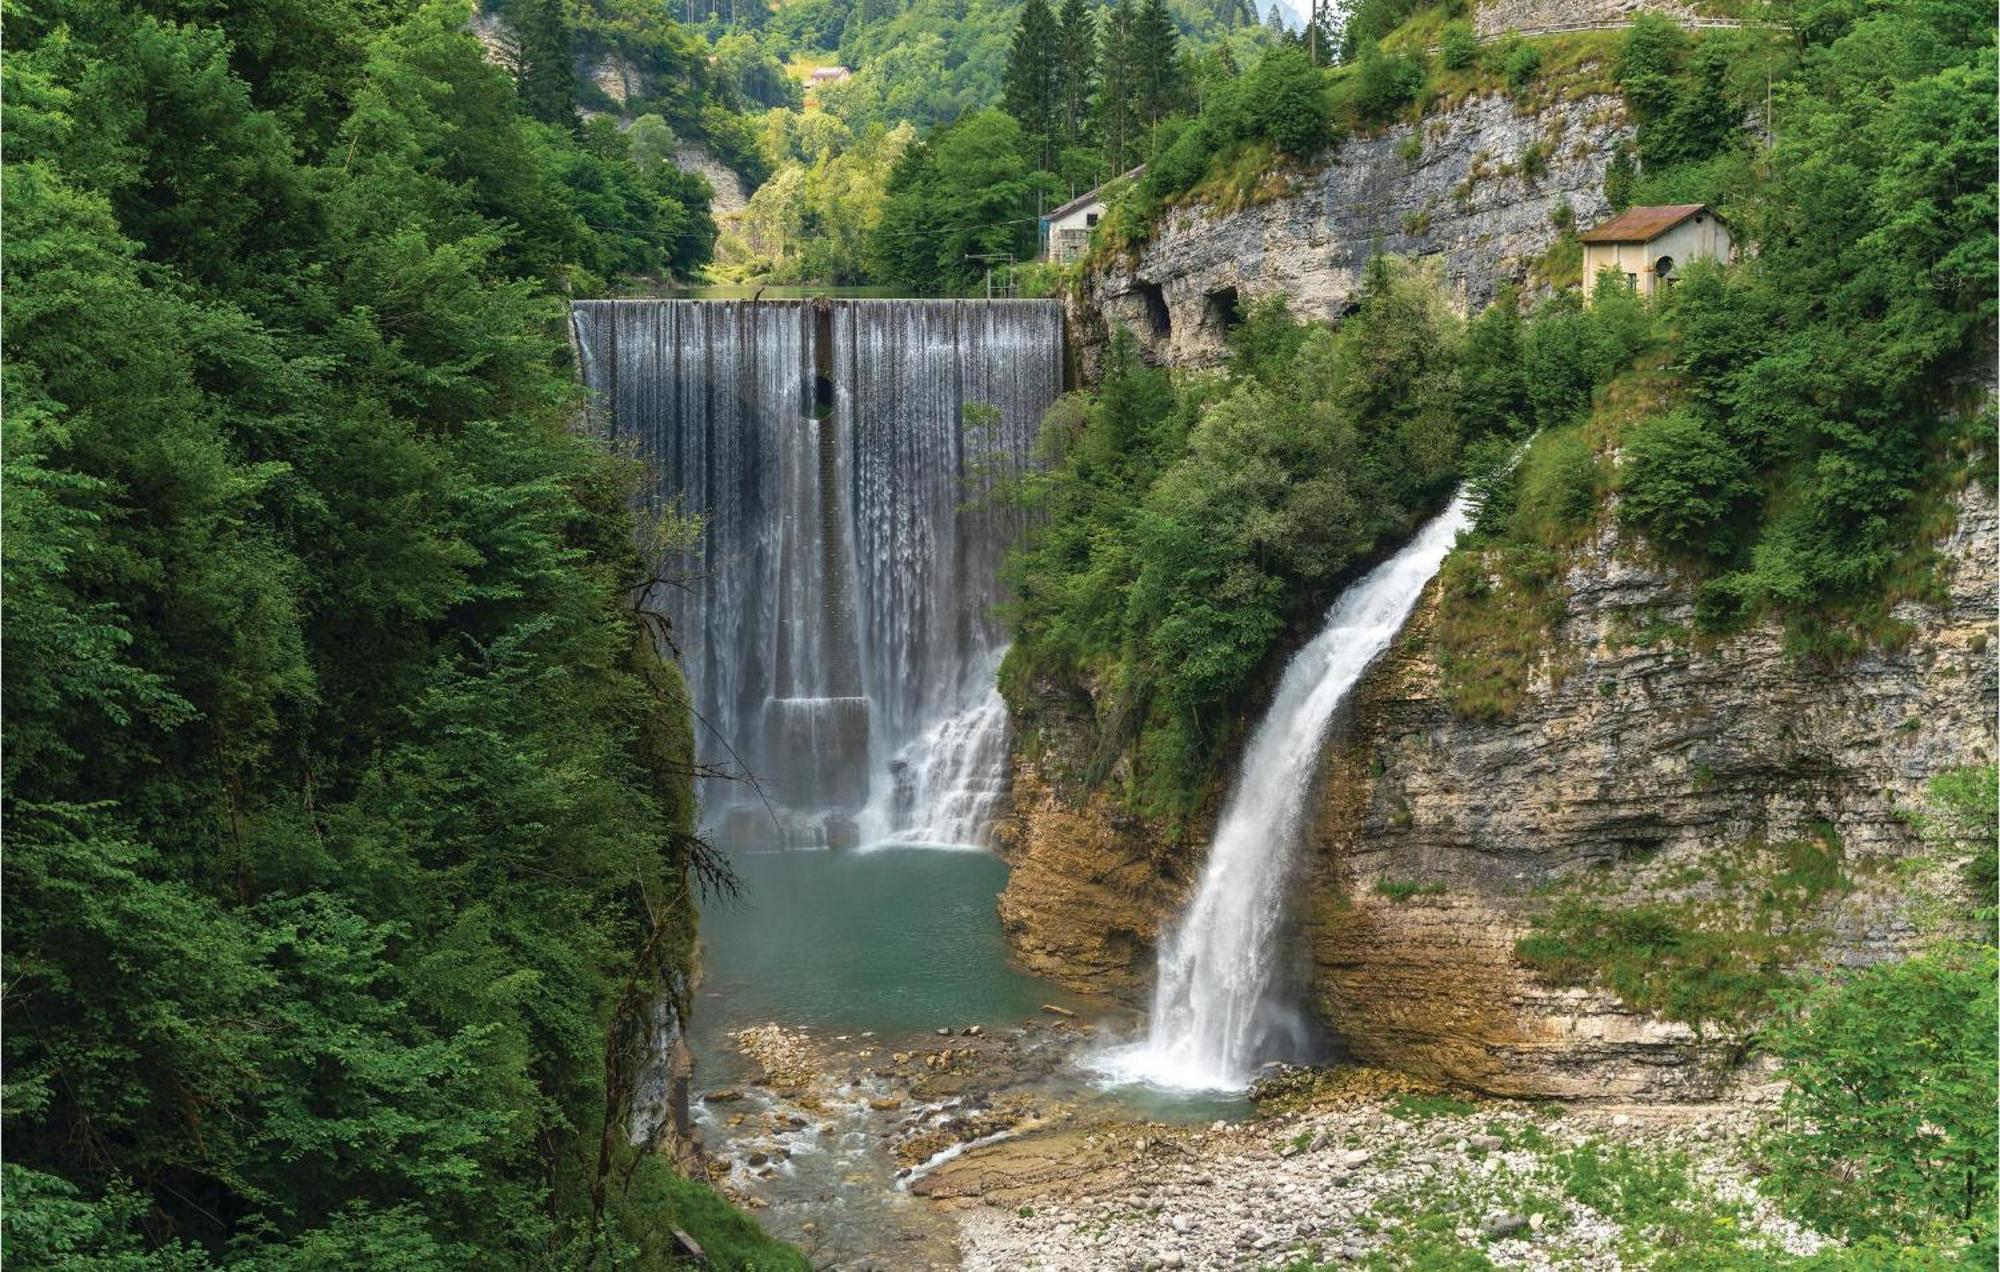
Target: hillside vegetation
<point x="1083" y="82"/>
<point x="1788" y="429"/>
<point x="1789" y="435"/>
<point x="349" y="823"/>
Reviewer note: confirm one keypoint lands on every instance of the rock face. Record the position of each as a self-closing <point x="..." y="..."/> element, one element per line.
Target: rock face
<point x="731" y="195"/>
<point x="1496" y="17"/>
<point x="1088" y="884"/>
<point x="1477" y="187"/>
<point x="1628" y="763"/>
<point x="1625" y="757"/>
<point x="620" y="81"/>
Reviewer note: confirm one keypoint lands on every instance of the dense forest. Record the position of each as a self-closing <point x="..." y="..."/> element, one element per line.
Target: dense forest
<point x="1084" y="84"/>
<point x="350" y="829"/>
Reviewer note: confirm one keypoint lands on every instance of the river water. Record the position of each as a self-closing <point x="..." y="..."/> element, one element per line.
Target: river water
<point x="866" y="955"/>
<point x="895" y="940"/>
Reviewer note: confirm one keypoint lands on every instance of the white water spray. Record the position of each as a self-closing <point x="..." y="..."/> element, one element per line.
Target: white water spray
<point x="1211" y="1006"/>
<point x="838" y="627"/>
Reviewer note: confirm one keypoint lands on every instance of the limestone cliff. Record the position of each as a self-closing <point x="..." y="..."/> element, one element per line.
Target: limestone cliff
<point x="1478" y="186"/>
<point x="1636" y="764"/>
<point x="1089" y="883"/>
<point x="1633" y="769"/>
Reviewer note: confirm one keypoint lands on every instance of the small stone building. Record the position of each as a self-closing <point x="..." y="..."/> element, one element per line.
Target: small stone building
<point x="1650" y="246"/>
<point x="1066" y="230"/>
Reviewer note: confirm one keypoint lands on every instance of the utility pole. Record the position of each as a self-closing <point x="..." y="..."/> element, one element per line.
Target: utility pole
<point x="991" y="259"/>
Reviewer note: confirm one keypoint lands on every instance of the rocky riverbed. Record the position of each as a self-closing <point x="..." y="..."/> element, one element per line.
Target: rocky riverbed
<point x="987" y="1148"/>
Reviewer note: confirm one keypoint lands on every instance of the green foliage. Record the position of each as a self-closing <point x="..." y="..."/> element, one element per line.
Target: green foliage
<point x="1280" y="104"/>
<point x="350" y="836"/>
<point x="1694" y="961"/>
<point x="1889" y="1106"/>
<point x="1523" y="64"/>
<point x="697" y="89"/>
<point x="1555" y="493"/>
<point x="1683" y="484"/>
<point x="1655" y="960"/>
<point x="1818" y="363"/>
<point x="1422" y="1108"/>
<point x="1678" y="92"/>
<point x="810" y="223"/>
<point x="1384" y="83"/>
<point x="964" y="193"/>
<point x="1369" y="21"/>
<point x="1493" y="381"/>
<point x="1033" y="88"/>
<point x="1963" y="816"/>
<point x="544" y="72"/>
<point x="1401" y="890"/>
<point x="1458" y="48"/>
<point x="1182" y="529"/>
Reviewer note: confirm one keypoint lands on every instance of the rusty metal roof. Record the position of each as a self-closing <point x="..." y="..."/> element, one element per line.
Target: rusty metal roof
<point x="1640" y="225"/>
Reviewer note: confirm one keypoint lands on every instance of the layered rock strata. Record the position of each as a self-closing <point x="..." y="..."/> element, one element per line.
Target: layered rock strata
<point x="1632" y="770"/>
<point x="1480" y="188"/>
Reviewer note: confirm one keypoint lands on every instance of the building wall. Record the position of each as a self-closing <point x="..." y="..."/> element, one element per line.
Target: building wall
<point x="1069" y="235"/>
<point x="1702" y="238"/>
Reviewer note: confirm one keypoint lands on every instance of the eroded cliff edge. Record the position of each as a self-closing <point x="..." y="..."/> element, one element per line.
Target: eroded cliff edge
<point x="1639" y="761"/>
<point x="1483" y="186"/>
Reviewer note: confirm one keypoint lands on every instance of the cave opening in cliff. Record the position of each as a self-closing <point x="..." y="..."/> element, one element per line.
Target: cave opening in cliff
<point x="1225" y="310"/>
<point x="1158" y="321"/>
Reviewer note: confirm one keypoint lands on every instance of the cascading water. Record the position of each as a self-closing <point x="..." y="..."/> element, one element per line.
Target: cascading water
<point x="837" y="623"/>
<point x="1211" y="1009"/>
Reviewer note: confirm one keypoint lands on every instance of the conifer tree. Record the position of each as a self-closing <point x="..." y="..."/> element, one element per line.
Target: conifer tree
<point x="1117" y="113"/>
<point x="1033" y="87"/>
<point x="544" y="72"/>
<point x="1155" y="61"/>
<point x="1078" y="33"/>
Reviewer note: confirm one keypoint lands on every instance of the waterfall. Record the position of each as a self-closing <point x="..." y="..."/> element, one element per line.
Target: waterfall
<point x="836" y="621"/>
<point x="1211" y="1004"/>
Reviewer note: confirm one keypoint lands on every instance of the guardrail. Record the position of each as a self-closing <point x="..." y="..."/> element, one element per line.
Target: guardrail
<point x="1695" y="24"/>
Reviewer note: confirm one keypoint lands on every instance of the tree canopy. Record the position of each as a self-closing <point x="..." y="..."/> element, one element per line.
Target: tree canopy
<point x="350" y="835"/>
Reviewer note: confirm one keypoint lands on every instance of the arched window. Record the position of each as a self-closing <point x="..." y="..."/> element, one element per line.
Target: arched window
<point x="1664" y="266"/>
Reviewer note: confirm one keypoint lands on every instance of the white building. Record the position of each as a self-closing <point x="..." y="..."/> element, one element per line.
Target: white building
<point x="1066" y="230"/>
<point x="1651" y="245"/>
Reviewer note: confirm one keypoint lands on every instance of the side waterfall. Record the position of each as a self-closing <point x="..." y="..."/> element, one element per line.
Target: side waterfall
<point x="1211" y="1008"/>
<point x="836" y="620"/>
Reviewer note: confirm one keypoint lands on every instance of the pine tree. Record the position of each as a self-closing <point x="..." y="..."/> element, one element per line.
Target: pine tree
<point x="1155" y="61"/>
<point x="1033" y="89"/>
<point x="1079" y="68"/>
<point x="1117" y="123"/>
<point x="544" y="73"/>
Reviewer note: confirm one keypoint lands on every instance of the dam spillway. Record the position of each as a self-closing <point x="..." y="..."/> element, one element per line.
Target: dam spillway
<point x="836" y="619"/>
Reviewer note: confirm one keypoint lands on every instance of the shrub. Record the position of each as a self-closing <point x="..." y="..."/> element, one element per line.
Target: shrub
<point x="1459" y="48"/>
<point x="1283" y="101"/>
<point x="1889" y="1128"/>
<point x="1524" y="62"/>
<point x="1570" y="351"/>
<point x="1684" y="484"/>
<point x="1286" y="102"/>
<point x="1557" y="495"/>
<point x="1384" y="83"/>
<point x="1619" y="177"/>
